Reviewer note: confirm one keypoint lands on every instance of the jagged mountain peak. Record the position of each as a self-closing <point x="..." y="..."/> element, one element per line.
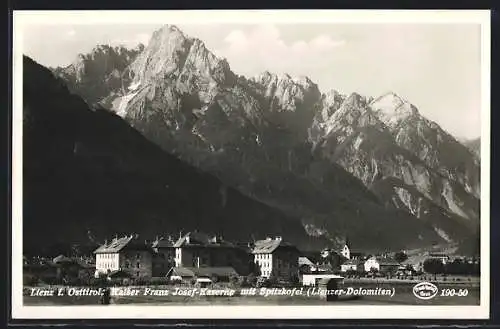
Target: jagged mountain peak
<point x="266" y="77"/>
<point x="356" y="100"/>
<point x="353" y="111"/>
<point x="392" y="108"/>
<point x="100" y="72"/>
<point x="389" y="100"/>
<point x="289" y="93"/>
<point x="169" y="30"/>
<point x="303" y="80"/>
<point x="393" y="95"/>
<point x="332" y="93"/>
<point x="257" y="134"/>
<point x="171" y="52"/>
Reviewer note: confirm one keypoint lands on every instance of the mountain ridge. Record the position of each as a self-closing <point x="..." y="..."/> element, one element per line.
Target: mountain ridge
<point x="267" y="134"/>
<point x="113" y="180"/>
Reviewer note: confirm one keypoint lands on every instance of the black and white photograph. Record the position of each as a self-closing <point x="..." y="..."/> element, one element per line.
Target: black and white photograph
<point x="251" y="164"/>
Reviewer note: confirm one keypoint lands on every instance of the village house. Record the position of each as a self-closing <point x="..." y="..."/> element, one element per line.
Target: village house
<point x="381" y="264"/>
<point x="353" y="265"/>
<point x="125" y="254"/>
<point x="276" y="258"/>
<point x="197" y="249"/>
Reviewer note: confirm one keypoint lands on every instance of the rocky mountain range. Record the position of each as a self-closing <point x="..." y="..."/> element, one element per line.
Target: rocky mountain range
<point x="371" y="168"/>
<point x="87" y="172"/>
<point x="98" y="75"/>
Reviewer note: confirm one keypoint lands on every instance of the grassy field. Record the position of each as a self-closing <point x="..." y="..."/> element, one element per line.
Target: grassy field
<point x="403" y="296"/>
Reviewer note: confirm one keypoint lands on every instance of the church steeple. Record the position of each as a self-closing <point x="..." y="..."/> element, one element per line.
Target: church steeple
<point x="346" y="250"/>
<point x="347" y="242"/>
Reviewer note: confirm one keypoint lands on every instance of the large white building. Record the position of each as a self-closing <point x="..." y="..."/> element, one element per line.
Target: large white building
<point x="276" y="257"/>
<point x="197" y="249"/>
<point x="124" y="254"/>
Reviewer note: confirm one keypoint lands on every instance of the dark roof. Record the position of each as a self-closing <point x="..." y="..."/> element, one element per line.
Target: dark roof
<point x="118" y="244"/>
<point x="200" y="239"/>
<point x="269" y="245"/>
<point x="203" y="271"/>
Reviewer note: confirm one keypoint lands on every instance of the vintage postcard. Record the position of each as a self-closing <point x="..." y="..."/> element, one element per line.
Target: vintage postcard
<point x="251" y="164"/>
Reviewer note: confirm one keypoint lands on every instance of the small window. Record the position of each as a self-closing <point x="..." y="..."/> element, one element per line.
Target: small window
<point x="138" y="256"/>
<point x="138" y="264"/>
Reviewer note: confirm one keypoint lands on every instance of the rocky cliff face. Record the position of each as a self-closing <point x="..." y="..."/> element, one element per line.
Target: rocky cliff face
<point x="87" y="169"/>
<point x="340" y="163"/>
<point x="407" y="160"/>
<point x="424" y="138"/>
<point x="100" y="75"/>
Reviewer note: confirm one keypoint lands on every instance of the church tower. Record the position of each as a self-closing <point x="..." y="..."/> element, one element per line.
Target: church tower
<point x="346" y="251"/>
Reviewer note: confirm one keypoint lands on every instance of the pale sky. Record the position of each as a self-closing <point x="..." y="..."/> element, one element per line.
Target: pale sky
<point x="437" y="67"/>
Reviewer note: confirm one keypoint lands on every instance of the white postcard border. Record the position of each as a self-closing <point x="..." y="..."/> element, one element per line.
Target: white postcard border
<point x="21" y="18"/>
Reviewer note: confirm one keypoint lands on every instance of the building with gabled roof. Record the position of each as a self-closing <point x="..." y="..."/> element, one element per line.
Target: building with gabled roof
<point x="276" y="258"/>
<point x="126" y="253"/>
<point x="197" y="249"/>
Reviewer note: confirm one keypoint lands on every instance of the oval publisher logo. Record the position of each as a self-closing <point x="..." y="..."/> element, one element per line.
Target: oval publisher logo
<point x="425" y="290"/>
